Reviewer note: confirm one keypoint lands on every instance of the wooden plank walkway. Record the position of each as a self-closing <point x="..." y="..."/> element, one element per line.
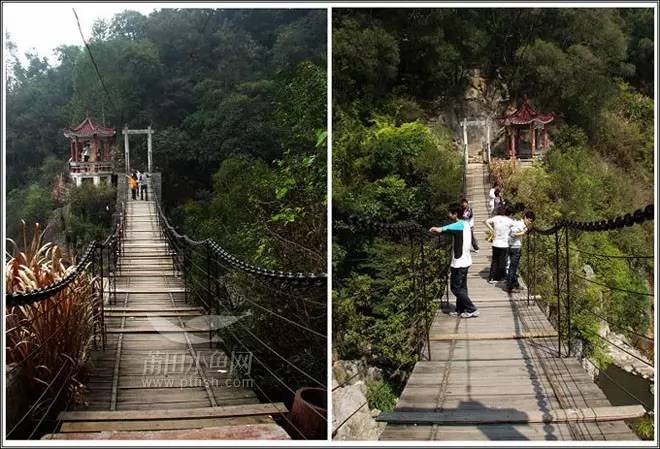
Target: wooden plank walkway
<point x="158" y="372"/>
<point x="497" y="377"/>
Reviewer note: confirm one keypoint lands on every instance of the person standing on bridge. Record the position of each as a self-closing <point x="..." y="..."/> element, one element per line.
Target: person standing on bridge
<point x="132" y="184"/>
<point x="518" y="229"/>
<point x="500" y="225"/>
<point x="461" y="260"/>
<point x="468" y="214"/>
<point x="144" y="194"/>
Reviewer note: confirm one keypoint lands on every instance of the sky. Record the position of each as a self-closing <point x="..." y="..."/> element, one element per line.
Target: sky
<point x="44" y="26"/>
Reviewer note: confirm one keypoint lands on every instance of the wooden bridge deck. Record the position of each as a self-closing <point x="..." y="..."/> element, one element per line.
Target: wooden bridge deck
<point x="158" y="372"/>
<point x="497" y="377"/>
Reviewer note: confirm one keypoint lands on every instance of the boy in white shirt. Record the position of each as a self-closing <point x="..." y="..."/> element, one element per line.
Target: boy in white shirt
<point x="500" y="226"/>
<point x="461" y="260"/>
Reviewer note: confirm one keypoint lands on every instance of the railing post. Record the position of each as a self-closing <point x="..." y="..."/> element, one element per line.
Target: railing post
<point x="558" y="292"/>
<point x="102" y="303"/>
<point x="184" y="271"/>
<point x="208" y="290"/>
<point x="114" y="269"/>
<point x="427" y="305"/>
<point x="568" y="292"/>
<point x="413" y="270"/>
<point x="528" y="266"/>
<point x="447" y="270"/>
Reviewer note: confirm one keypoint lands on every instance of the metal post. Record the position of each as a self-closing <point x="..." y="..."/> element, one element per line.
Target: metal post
<point x="528" y="270"/>
<point x="127" y="156"/>
<point x="208" y="290"/>
<point x="414" y="288"/>
<point x="558" y="293"/>
<point x="447" y="270"/>
<point x="568" y="291"/>
<point x="427" y="306"/>
<point x="114" y="270"/>
<point x="184" y="270"/>
<point x="149" y="132"/>
<point x="102" y="311"/>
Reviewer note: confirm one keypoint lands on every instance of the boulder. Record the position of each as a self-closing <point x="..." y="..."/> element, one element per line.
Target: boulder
<point x="351" y="417"/>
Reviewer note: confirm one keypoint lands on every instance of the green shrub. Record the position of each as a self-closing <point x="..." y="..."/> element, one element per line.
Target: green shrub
<point x="381" y="395"/>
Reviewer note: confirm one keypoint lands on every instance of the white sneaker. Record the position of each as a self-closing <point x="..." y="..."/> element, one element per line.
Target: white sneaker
<point x="470" y="314"/>
<point x="453" y="314"/>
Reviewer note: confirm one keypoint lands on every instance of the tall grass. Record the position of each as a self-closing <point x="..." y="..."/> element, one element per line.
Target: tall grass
<point x="44" y="336"/>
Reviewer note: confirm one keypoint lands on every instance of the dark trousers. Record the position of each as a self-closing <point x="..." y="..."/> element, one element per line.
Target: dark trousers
<point x="134" y="193"/>
<point x="475" y="245"/>
<point x="514" y="261"/>
<point x="458" y="286"/>
<point x="498" y="264"/>
<point x="144" y="195"/>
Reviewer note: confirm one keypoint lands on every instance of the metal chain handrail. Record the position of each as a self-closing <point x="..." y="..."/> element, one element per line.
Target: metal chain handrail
<point x="295" y="278"/>
<point x="32" y="296"/>
<point x="639" y="216"/>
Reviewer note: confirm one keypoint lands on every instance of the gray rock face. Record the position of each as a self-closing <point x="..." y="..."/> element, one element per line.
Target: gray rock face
<point x="588" y="272"/>
<point x="351" y="417"/>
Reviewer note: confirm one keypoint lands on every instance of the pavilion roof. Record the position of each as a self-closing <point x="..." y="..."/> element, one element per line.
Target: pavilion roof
<point x="87" y="128"/>
<point x="526" y="114"/>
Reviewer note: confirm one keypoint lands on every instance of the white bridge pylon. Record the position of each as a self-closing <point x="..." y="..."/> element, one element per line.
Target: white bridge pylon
<point x="126" y="132"/>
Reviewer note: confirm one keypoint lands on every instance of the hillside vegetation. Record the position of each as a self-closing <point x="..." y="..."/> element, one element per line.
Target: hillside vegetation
<point x="394" y="69"/>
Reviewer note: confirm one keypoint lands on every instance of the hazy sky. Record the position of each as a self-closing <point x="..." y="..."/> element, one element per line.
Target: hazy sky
<point x="44" y="26"/>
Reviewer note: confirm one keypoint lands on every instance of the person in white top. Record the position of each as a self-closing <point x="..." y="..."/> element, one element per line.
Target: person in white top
<point x="518" y="229"/>
<point x="495" y="199"/>
<point x="461" y="260"/>
<point x="500" y="226"/>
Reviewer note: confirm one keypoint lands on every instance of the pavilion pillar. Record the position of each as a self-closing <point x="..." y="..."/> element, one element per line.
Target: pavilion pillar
<point x="96" y="151"/>
<point x="514" y="137"/>
<point x="545" y="137"/>
<point x="149" y="132"/>
<point x="71" y="150"/>
<point x="126" y="152"/>
<point x="532" y="130"/>
<point x="76" y="150"/>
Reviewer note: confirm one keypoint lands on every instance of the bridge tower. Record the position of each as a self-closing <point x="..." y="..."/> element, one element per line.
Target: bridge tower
<point x="91" y="152"/>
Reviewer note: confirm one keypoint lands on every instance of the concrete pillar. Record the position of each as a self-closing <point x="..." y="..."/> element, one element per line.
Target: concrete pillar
<point x="465" y="142"/>
<point x="488" y="140"/>
<point x="126" y="150"/>
<point x="512" y="146"/>
<point x="149" y="132"/>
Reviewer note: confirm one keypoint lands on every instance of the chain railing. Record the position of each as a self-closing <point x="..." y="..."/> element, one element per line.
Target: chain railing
<point x="559" y="240"/>
<point x="278" y="317"/>
<point x="426" y="270"/>
<point x="44" y="363"/>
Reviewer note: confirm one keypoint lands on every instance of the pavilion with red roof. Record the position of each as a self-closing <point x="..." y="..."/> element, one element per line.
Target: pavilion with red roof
<point x="91" y="154"/>
<point x="526" y="120"/>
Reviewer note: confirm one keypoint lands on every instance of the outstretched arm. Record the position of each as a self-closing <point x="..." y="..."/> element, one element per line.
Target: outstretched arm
<point x="489" y="224"/>
<point x="457" y="226"/>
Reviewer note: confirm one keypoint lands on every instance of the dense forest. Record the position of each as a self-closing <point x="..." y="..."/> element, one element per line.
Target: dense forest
<point x="395" y="71"/>
<point x="237" y="99"/>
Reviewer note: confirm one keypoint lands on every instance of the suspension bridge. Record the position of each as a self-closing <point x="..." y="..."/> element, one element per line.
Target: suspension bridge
<point x="513" y="372"/>
<point x="180" y="349"/>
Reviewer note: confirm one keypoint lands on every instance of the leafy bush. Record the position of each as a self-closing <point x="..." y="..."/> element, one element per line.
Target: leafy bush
<point x="381" y="395"/>
<point x="43" y="337"/>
